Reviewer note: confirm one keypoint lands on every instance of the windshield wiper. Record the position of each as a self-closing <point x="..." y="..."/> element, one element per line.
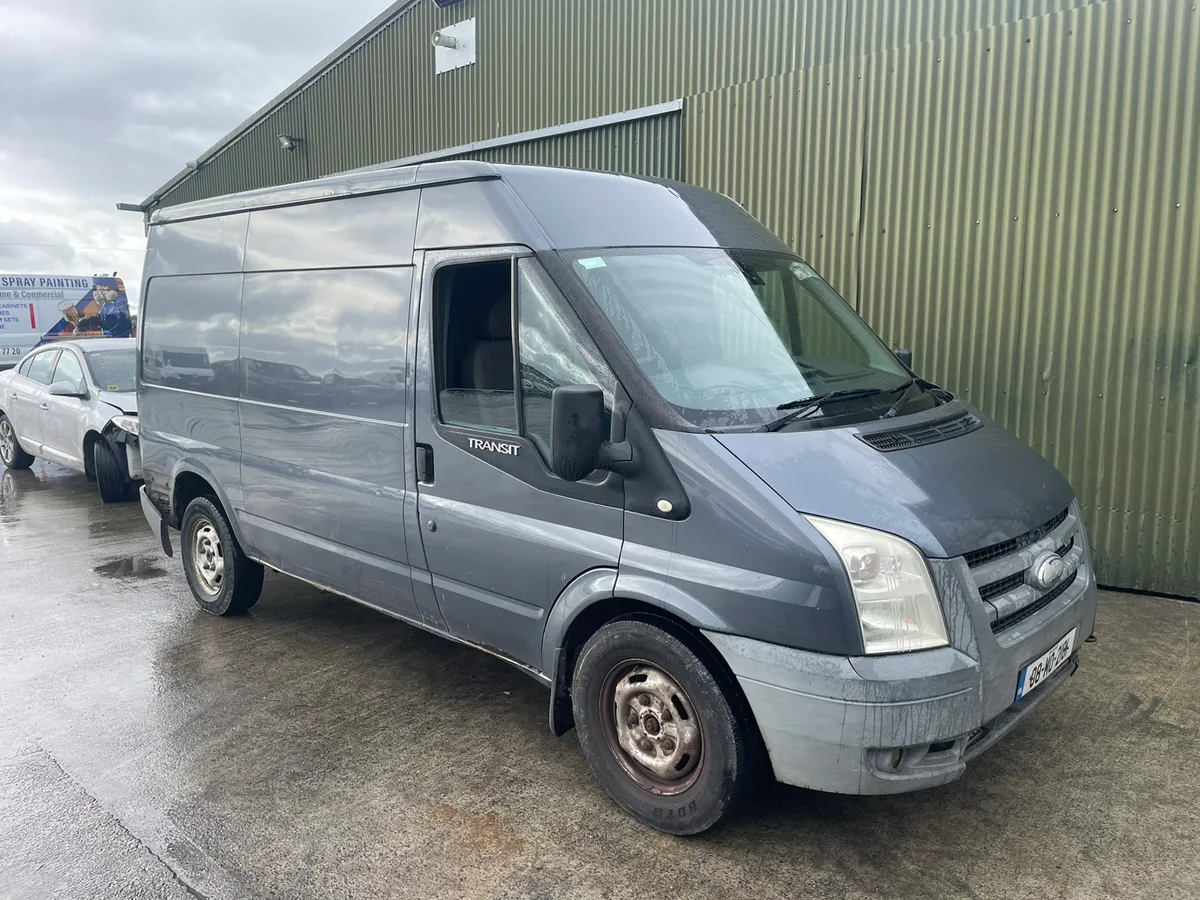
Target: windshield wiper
<point x="895" y="407"/>
<point x="807" y="406"/>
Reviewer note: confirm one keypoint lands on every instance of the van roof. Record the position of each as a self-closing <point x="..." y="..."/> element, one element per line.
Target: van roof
<point x="572" y="207"/>
<point x="363" y="181"/>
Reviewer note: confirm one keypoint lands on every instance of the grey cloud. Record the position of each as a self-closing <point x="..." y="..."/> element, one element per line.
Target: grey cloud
<point x="103" y="100"/>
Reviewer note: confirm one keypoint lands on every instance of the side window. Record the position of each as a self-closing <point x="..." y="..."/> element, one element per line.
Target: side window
<point x="68" y="369"/>
<point x="41" y="366"/>
<point x="25" y="366"/>
<point x="553" y="353"/>
<point x="473" y="346"/>
<point x="190" y="333"/>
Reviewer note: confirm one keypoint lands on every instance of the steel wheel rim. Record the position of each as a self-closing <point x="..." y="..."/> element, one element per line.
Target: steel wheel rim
<point x="208" y="557"/>
<point x="8" y="440"/>
<point x="651" y="727"/>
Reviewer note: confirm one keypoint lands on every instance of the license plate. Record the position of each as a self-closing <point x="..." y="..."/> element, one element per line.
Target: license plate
<point x="1045" y="665"/>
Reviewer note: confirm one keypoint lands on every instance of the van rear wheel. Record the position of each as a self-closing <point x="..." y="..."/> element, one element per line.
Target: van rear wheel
<point x="223" y="579"/>
<point x="661" y="732"/>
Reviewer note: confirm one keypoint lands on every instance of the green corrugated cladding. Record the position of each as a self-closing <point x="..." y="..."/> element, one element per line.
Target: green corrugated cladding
<point x="1009" y="188"/>
<point x="548" y="62"/>
<point x="1020" y="205"/>
<point x="648" y="147"/>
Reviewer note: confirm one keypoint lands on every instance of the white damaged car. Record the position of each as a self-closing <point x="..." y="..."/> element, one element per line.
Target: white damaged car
<point x="75" y="403"/>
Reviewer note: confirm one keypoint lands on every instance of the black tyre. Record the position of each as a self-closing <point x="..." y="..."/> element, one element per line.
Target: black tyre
<point x="223" y="579"/>
<point x="667" y="740"/>
<point x="111" y="478"/>
<point x="11" y="453"/>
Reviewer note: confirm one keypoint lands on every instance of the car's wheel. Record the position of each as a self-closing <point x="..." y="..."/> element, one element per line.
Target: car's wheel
<point x="11" y="452"/>
<point x="223" y="579"/>
<point x="665" y="737"/>
<point x="111" y="478"/>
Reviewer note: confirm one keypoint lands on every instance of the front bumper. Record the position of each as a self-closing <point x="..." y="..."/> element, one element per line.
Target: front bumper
<point x="833" y="723"/>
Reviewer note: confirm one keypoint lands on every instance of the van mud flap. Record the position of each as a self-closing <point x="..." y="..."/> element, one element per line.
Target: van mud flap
<point x="155" y="520"/>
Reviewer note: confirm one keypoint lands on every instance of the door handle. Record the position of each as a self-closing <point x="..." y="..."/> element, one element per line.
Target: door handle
<point x="424" y="463"/>
<point x="45" y="406"/>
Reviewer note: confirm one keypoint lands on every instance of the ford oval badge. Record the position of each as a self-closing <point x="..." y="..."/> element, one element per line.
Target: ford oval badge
<point x="1046" y="571"/>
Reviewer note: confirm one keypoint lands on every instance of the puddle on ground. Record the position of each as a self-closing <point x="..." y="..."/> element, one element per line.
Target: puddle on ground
<point x="131" y="567"/>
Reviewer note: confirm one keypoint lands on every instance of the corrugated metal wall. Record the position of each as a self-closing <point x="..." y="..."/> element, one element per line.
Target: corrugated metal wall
<point x="1106" y="370"/>
<point x="1007" y="186"/>
<point x="545" y="62"/>
<point x="1019" y="205"/>
<point x="1021" y="232"/>
<point x="649" y="146"/>
<point x="789" y="149"/>
<point x="256" y="160"/>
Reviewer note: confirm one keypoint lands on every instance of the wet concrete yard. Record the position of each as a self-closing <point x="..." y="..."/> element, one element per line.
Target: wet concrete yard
<point x="314" y="748"/>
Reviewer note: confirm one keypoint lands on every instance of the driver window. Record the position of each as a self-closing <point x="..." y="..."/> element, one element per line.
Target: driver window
<point x="474" y="348"/>
<point x="68" y="369"/>
<point x="553" y="352"/>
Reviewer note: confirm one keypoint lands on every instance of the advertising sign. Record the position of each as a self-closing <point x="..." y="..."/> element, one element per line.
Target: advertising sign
<point x="35" y="309"/>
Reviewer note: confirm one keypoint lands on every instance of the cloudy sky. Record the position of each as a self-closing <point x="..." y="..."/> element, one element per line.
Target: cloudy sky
<point x="101" y="101"/>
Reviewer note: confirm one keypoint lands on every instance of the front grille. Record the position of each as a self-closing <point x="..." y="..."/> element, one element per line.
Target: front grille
<point x="1003" y="586"/>
<point x="920" y="435"/>
<point x="1014" y="581"/>
<point x="1012" y="545"/>
<point x="1033" y="608"/>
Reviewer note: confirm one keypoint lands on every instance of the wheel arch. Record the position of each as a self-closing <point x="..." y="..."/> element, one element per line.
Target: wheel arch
<point x="596" y="598"/>
<point x="89" y="461"/>
<point x="190" y="480"/>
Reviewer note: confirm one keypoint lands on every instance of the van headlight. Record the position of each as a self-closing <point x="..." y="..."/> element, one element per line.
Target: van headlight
<point x="126" y="423"/>
<point x="898" y="607"/>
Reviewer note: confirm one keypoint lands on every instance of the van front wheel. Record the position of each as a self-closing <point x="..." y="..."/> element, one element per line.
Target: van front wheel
<point x="223" y="579"/>
<point x="659" y="729"/>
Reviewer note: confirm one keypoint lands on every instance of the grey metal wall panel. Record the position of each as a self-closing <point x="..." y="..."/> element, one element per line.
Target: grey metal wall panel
<point x="372" y="230"/>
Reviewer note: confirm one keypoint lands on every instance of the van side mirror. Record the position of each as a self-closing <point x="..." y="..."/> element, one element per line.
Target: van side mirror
<point x="576" y="430"/>
<point x="66" y="389"/>
<point x="905" y="357"/>
<point x="577" y="435"/>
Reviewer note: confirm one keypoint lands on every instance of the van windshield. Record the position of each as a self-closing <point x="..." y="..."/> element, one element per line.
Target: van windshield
<point x="728" y="336"/>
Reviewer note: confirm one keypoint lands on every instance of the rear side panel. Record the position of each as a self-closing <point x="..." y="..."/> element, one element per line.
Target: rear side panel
<point x="189" y="382"/>
<point x="323" y="428"/>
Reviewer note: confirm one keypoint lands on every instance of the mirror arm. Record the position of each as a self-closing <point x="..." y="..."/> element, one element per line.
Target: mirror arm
<point x="612" y="454"/>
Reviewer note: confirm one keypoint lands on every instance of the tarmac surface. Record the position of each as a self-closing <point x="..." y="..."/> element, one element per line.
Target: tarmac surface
<point x="314" y="748"/>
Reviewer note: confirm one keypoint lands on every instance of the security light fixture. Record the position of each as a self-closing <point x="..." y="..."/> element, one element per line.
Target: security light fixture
<point x="453" y="46"/>
<point x="289" y="142"/>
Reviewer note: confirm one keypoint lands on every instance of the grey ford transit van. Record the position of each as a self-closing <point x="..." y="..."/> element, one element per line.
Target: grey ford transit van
<point x="613" y="431"/>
